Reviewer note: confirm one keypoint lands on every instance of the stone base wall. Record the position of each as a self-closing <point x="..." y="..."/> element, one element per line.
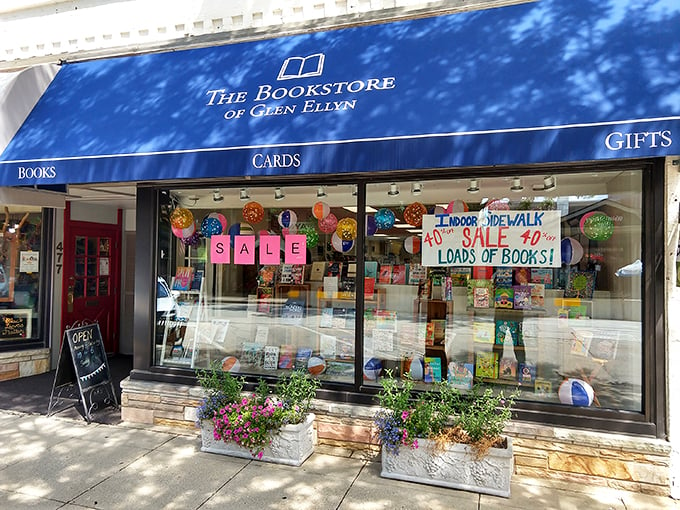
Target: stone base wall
<point x="633" y="463"/>
<point x="17" y="364"/>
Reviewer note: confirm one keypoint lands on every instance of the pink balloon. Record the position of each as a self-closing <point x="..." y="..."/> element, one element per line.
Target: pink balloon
<point x="328" y="224"/>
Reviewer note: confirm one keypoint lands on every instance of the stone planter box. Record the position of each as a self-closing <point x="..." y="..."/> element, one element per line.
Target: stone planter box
<point x="292" y="445"/>
<point x="456" y="468"/>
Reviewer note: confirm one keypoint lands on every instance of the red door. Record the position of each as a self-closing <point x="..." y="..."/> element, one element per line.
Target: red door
<point x="92" y="276"/>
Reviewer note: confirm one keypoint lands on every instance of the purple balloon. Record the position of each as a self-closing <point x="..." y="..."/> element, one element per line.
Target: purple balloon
<point x="371" y="227"/>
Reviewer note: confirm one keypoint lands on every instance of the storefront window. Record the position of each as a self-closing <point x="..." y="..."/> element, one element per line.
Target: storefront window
<point x="20" y="238"/>
<point x="259" y="280"/>
<point x="529" y="281"/>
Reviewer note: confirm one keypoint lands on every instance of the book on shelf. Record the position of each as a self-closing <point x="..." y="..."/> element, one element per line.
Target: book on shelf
<point x="293" y="311"/>
<point x="503" y="277"/>
<point x="416" y="274"/>
<point x="371" y="269"/>
<point x="504" y="298"/>
<point x="580" y="284"/>
<point x="526" y="373"/>
<point x="508" y="332"/>
<point x="542" y="275"/>
<point x="271" y="357"/>
<point x="429" y="333"/>
<point x="265" y="295"/>
<point x="197" y="280"/>
<point x="448" y="288"/>
<point x="432" y="369"/>
<point x="369" y="287"/>
<point x="302" y="356"/>
<point x="439" y="331"/>
<point x="604" y="345"/>
<point x="482" y="272"/>
<point x="297" y="272"/>
<point x="483" y="332"/>
<point x="287" y="356"/>
<point x="352" y="270"/>
<point x="334" y="269"/>
<point x="522" y="297"/>
<point x="330" y="286"/>
<point x="339" y="318"/>
<point x="537" y="295"/>
<point x="317" y="272"/>
<point x="460" y="276"/>
<point x="486" y="364"/>
<point x="521" y="275"/>
<point x="286" y="274"/>
<point x="252" y="354"/>
<point x="183" y="310"/>
<point x="326" y="318"/>
<point x="479" y="293"/>
<point x="507" y="368"/>
<point x="461" y="375"/>
<point x="267" y="276"/>
<point x="385" y="274"/>
<point x="399" y="274"/>
<point x="184" y="275"/>
<point x="580" y="342"/>
<point x="542" y="387"/>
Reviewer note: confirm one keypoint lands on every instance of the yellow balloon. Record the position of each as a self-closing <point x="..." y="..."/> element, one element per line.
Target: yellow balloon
<point x="181" y="218"/>
<point x="347" y="229"/>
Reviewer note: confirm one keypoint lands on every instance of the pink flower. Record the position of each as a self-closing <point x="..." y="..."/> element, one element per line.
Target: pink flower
<point x="404" y="415"/>
<point x="259" y="455"/>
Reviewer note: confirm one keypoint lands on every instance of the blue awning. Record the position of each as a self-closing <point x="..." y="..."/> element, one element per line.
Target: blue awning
<point x="549" y="81"/>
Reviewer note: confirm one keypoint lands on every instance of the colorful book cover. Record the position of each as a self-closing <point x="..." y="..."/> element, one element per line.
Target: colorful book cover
<point x="508" y="332"/>
<point x="537" y="295"/>
<point x="184" y="275"/>
<point x="318" y="270"/>
<point x="580" y="342"/>
<point x="542" y="387"/>
<point x="460" y="276"/>
<point x="265" y="295"/>
<point x="507" y="368"/>
<point x="527" y="374"/>
<point x="369" y="287"/>
<point x="580" y="284"/>
<point x="271" y="357"/>
<point x="416" y="274"/>
<point x="197" y="279"/>
<point x="252" y="354"/>
<point x="522" y="297"/>
<point x="293" y="311"/>
<point x="483" y="296"/>
<point x="448" y="288"/>
<point x="482" y="272"/>
<point x="302" y="356"/>
<point x="439" y="331"/>
<point x="504" y="298"/>
<point x="371" y="269"/>
<point x="461" y="375"/>
<point x="432" y="369"/>
<point x="484" y="332"/>
<point x="486" y="365"/>
<point x="334" y="269"/>
<point x="503" y="277"/>
<point x="521" y="275"/>
<point x="385" y="274"/>
<point x="429" y="334"/>
<point x="266" y="276"/>
<point x="287" y="357"/>
<point x="603" y="346"/>
<point x="542" y="275"/>
<point x="286" y="274"/>
<point x="399" y="274"/>
<point x="298" y="274"/>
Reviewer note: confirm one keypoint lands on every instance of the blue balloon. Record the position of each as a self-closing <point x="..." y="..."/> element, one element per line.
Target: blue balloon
<point x="211" y="227"/>
<point x="384" y="219"/>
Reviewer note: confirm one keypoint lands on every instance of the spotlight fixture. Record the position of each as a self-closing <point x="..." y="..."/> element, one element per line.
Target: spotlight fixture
<point x="549" y="184"/>
<point x="278" y="194"/>
<point x="217" y="196"/>
<point x="243" y="195"/>
<point x="320" y="192"/>
<point x="416" y="188"/>
<point x="394" y="190"/>
<point x="355" y="190"/>
<point x="473" y="187"/>
<point x="516" y="184"/>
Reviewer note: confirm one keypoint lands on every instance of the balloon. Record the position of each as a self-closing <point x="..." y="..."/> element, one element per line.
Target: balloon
<point x="576" y="392"/>
<point x="384" y="219"/>
<point x="287" y="218"/>
<point x="412" y="244"/>
<point x="184" y="232"/>
<point x="210" y="227"/>
<point x="498" y="205"/>
<point x="572" y="251"/>
<point x="253" y="212"/>
<point x="290" y="230"/>
<point x="220" y="217"/>
<point x="438" y="209"/>
<point x="413" y="214"/>
<point x="341" y="245"/>
<point x="320" y="210"/>
<point x="312" y="235"/>
<point x="347" y="229"/>
<point x="192" y="240"/>
<point x="372" y="369"/>
<point x="456" y="206"/>
<point x="181" y="218"/>
<point x="328" y="224"/>
<point x="370" y="226"/>
<point x="597" y="226"/>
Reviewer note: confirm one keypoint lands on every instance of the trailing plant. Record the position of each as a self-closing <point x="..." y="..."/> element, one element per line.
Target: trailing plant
<point x="295" y="392"/>
<point x="221" y="388"/>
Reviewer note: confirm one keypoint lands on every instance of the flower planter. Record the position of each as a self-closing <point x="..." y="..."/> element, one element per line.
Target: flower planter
<point x="456" y="467"/>
<point x="291" y="445"/>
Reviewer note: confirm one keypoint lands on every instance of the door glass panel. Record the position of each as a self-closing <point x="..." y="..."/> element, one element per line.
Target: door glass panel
<point x="91" y="286"/>
<point x="103" y="286"/>
<point x="92" y="246"/>
<point x="91" y="267"/>
<point x="78" y="288"/>
<point x="80" y="246"/>
<point x="104" y="246"/>
<point x="80" y="267"/>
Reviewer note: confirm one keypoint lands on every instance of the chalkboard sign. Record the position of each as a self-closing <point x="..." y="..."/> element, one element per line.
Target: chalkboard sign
<point x="13" y="326"/>
<point x="88" y="367"/>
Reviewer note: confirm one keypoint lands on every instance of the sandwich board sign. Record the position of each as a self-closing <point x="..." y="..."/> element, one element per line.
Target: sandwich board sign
<point x="84" y="366"/>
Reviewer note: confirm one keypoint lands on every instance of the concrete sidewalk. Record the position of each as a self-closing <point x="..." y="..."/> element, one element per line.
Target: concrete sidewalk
<point x="50" y="463"/>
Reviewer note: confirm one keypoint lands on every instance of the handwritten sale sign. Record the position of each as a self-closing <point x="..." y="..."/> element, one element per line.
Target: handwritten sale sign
<point x="492" y="238"/>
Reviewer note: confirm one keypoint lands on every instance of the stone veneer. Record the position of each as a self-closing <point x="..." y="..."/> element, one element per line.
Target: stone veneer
<point x="638" y="464"/>
<point x="17" y="364"/>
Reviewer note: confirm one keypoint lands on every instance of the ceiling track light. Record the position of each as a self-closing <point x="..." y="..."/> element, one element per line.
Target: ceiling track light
<point x="243" y="195"/>
<point x="516" y="184"/>
<point x="473" y="187"/>
<point x="394" y="190"/>
<point x="549" y="184"/>
<point x="416" y="188"/>
<point x="217" y="196"/>
<point x="278" y="194"/>
<point x="320" y="192"/>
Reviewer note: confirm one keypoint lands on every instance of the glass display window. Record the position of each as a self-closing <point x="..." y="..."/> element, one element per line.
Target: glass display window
<point x="530" y="282"/>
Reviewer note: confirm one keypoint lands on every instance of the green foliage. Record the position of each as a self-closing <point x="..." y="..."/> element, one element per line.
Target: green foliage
<point x="485" y="413"/>
<point x="221" y="388"/>
<point x="262" y="391"/>
<point x="296" y="392"/>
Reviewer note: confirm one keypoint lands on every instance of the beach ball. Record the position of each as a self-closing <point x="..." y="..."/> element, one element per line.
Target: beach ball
<point x="597" y="226"/>
<point x="290" y="230"/>
<point x="412" y="244"/>
<point x="311" y="234"/>
<point x="498" y="205"/>
<point x="220" y="217"/>
<point x="576" y="392"/>
<point x="572" y="251"/>
<point x="456" y="206"/>
<point x="181" y="218"/>
<point x="347" y="229"/>
<point x="210" y="227"/>
<point x="320" y="210"/>
<point x="372" y="369"/>
<point x="241" y="229"/>
<point x="371" y="228"/>
<point x="287" y="218"/>
<point x="437" y="209"/>
<point x="231" y="364"/>
<point x="384" y="219"/>
<point x="192" y="240"/>
<point x="413" y="214"/>
<point x="184" y="232"/>
<point x="340" y="244"/>
<point x="316" y="365"/>
<point x="328" y="224"/>
<point x="253" y="212"/>
<point x="417" y="369"/>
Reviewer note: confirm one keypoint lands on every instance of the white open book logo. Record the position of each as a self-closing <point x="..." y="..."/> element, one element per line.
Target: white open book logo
<point x="302" y="67"/>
